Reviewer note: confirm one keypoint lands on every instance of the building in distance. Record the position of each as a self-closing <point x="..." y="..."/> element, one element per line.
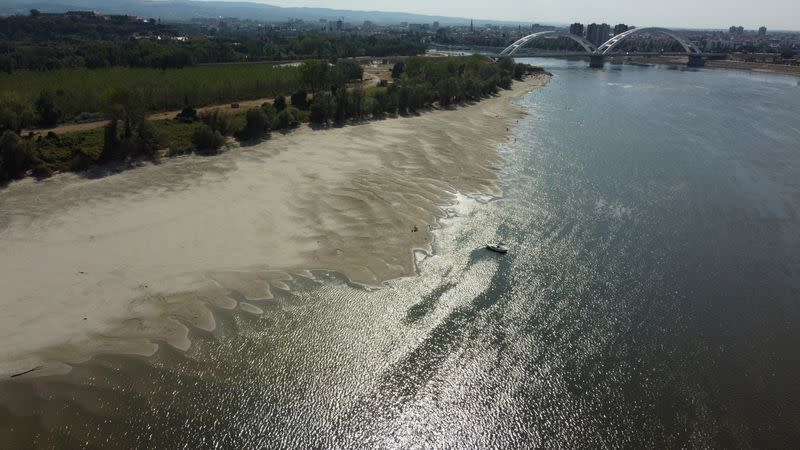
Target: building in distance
<point x="736" y="30"/>
<point x="576" y="29"/>
<point x="598" y="34"/>
<point x="620" y="28"/>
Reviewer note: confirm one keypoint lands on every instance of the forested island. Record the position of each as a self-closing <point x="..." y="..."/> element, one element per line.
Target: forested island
<point x="315" y="91"/>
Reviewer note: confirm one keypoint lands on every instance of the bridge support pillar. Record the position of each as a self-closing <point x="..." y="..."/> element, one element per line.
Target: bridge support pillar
<point x="696" y="61"/>
<point x="597" y="61"/>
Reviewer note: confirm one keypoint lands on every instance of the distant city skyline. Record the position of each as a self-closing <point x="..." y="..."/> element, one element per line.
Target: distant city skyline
<point x="774" y="14"/>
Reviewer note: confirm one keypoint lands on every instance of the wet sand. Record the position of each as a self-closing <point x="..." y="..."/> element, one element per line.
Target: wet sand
<point x="126" y="262"/>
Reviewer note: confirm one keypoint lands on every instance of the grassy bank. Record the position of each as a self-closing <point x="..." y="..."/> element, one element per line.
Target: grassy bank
<point x="79" y="150"/>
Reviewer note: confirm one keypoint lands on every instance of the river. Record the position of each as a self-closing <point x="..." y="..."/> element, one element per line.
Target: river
<point x="651" y="298"/>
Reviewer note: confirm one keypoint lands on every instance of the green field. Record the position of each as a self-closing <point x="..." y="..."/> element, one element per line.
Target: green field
<point x="84" y="90"/>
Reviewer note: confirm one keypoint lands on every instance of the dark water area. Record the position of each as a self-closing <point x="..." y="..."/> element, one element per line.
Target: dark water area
<point x="651" y="299"/>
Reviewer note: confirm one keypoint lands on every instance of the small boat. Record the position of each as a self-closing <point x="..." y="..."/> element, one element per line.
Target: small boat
<point x="499" y="247"/>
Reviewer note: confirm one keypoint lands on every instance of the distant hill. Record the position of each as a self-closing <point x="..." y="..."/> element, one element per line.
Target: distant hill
<point x="184" y="10"/>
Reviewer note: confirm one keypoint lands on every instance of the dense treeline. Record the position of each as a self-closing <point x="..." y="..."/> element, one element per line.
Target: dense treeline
<point x="47" y="98"/>
<point x="44" y="98"/>
<point x="50" y="42"/>
<point x="320" y="94"/>
<point x="419" y="83"/>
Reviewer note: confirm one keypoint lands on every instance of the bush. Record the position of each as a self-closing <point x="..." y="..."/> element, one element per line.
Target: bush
<point x="207" y="139"/>
<point x="80" y="161"/>
<point x="272" y="115"/>
<point x="14" y="115"/>
<point x="256" y="123"/>
<point x="280" y="103"/>
<point x="322" y="108"/>
<point x="218" y="121"/>
<point x="383" y="103"/>
<point x="41" y="170"/>
<point x="355" y="103"/>
<point x="345" y="71"/>
<point x="15" y="156"/>
<point x="289" y="118"/>
<point x="148" y="139"/>
<point x="398" y="69"/>
<point x="315" y="74"/>
<point x="187" y="115"/>
<point x="46" y="110"/>
<point x="111" y="142"/>
<point x="300" y="99"/>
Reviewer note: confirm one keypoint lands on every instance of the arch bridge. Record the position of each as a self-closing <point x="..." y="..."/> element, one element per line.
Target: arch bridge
<point x="608" y="48"/>
<point x="514" y="48"/>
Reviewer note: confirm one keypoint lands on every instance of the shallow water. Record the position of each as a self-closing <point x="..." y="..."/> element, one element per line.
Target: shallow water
<point x="650" y="300"/>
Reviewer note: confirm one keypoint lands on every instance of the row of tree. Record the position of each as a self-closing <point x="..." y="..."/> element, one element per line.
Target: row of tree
<point x="46" y="113"/>
<point x="420" y="83"/>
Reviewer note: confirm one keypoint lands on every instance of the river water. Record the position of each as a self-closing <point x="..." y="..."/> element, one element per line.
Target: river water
<point x="651" y="299"/>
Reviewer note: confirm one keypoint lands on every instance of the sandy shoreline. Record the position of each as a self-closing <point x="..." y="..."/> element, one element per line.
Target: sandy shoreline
<point x="122" y="263"/>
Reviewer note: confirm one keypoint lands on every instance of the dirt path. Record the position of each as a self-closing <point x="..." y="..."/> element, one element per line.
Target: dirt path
<point x="75" y="127"/>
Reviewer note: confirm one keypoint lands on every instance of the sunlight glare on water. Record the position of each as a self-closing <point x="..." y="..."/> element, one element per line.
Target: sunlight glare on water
<point x="649" y="300"/>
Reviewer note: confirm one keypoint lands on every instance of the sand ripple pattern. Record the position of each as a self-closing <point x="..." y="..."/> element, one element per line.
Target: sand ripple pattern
<point x="124" y="262"/>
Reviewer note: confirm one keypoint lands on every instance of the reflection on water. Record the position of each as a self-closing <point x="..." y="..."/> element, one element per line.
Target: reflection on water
<point x="650" y="300"/>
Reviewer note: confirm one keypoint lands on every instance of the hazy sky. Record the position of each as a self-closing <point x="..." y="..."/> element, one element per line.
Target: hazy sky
<point x="775" y="14"/>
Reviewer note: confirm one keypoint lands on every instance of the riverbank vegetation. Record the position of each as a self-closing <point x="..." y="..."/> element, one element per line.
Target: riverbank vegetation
<point x="320" y="95"/>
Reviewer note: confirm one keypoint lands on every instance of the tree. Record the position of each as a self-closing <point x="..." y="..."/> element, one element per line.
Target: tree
<point x="355" y="103"/>
<point x="289" y="118"/>
<point x="15" y="156"/>
<point x="520" y="71"/>
<point x="207" y="140"/>
<point x="447" y="90"/>
<point x="272" y="115"/>
<point x="7" y="64"/>
<point x="127" y="106"/>
<point x="148" y="139"/>
<point x="381" y="102"/>
<point x="341" y="99"/>
<point x="218" y="121"/>
<point x="506" y="66"/>
<point x="398" y="69"/>
<point x="280" y="103"/>
<point x="345" y="71"/>
<point x="13" y="116"/>
<point x="322" y="108"/>
<point x="256" y="123"/>
<point x="46" y="110"/>
<point x="187" y="115"/>
<point x="111" y="142"/>
<point x="315" y="74"/>
<point x="300" y="99"/>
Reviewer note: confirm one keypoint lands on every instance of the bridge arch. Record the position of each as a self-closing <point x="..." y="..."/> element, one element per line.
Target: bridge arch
<point x="610" y="45"/>
<point x="513" y="48"/>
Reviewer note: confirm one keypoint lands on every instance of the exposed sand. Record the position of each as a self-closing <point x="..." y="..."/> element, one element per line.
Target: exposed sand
<point x="124" y="262"/>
